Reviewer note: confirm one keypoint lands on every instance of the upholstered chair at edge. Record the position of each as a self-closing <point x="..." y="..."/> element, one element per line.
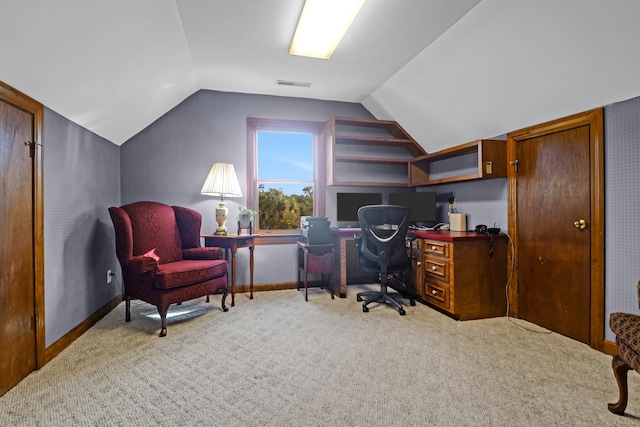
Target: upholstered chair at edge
<point x="626" y="326"/>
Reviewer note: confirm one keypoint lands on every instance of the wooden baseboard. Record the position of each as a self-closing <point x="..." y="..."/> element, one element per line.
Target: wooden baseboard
<point x="265" y="287"/>
<point x="56" y="348"/>
<point x="610" y="348"/>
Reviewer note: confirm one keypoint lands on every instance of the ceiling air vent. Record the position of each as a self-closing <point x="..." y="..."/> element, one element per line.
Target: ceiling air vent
<point x="292" y="83"/>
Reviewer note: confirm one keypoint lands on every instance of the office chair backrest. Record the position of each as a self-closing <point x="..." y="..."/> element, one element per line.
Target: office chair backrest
<point x="382" y="241"/>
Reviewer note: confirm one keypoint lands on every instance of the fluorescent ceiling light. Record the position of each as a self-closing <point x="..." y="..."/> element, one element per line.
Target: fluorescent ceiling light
<point x="322" y="25"/>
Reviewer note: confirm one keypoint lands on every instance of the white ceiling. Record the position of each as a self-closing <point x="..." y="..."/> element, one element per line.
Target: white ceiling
<point x="448" y="71"/>
<point x="116" y="66"/>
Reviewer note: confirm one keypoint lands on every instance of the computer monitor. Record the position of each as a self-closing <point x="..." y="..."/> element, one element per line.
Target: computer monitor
<point x="421" y="203"/>
<point x="349" y="203"/>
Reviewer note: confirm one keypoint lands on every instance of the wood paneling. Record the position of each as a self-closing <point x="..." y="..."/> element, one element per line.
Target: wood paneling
<point x="593" y="121"/>
<point x="21" y="224"/>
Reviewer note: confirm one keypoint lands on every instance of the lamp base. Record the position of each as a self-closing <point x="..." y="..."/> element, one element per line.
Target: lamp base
<point x="221" y="218"/>
<point x="221" y="231"/>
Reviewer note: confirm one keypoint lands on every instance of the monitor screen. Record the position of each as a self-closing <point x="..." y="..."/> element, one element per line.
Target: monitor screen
<point x="421" y="203"/>
<point x="349" y="203"/>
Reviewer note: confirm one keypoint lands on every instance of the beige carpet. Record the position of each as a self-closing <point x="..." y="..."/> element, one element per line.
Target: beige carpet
<point x="280" y="361"/>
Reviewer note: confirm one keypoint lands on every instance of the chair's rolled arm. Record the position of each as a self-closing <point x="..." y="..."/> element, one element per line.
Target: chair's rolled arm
<point x="202" y="253"/>
<point x="141" y="264"/>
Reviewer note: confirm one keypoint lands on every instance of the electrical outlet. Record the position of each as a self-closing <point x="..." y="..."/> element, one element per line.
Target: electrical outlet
<point x="109" y="275"/>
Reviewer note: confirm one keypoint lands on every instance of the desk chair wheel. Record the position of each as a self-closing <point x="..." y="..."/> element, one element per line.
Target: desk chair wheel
<point x="402" y="312"/>
<point x="365" y="309"/>
<point x="358" y="298"/>
<point x="412" y="302"/>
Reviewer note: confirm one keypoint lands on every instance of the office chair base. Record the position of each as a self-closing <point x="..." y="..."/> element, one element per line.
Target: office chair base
<point x="381" y="297"/>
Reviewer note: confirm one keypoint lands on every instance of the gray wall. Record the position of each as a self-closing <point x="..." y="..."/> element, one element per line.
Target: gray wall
<point x="81" y="181"/>
<point x="484" y="201"/>
<point x="169" y="160"/>
<point x="622" y="201"/>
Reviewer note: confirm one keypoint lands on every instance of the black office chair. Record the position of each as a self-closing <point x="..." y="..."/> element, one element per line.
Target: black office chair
<point x="382" y="249"/>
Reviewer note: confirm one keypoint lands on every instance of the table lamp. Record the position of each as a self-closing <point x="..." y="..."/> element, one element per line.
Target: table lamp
<point x="221" y="181"/>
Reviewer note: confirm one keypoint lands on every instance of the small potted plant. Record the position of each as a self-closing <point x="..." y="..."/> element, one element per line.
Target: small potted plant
<point x="245" y="219"/>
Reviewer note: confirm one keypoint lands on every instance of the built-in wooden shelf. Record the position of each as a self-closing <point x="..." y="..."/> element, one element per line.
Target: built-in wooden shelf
<point x="482" y="159"/>
<point x="380" y="153"/>
<point x="388" y="148"/>
<point x="355" y="159"/>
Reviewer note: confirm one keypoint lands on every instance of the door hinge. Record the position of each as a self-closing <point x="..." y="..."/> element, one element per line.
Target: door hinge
<point x="515" y="163"/>
<point x="32" y="147"/>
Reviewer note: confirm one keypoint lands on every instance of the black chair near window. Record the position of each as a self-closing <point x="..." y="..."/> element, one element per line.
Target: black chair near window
<point x="382" y="249"/>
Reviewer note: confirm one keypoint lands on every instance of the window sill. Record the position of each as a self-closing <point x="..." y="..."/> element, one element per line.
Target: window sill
<point x="277" y="239"/>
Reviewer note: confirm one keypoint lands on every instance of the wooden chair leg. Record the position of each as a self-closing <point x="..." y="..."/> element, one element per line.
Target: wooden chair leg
<point x="224" y="297"/>
<point x="163" y="319"/>
<point x="127" y="310"/>
<point x="620" y="369"/>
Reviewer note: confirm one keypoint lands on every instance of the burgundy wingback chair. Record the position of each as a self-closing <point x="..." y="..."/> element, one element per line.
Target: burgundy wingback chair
<point x="162" y="262"/>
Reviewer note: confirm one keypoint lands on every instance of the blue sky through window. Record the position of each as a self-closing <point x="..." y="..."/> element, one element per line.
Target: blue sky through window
<point x="284" y="157"/>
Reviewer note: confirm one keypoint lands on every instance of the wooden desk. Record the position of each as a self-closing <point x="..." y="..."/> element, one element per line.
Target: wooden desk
<point x="459" y="274"/>
<point x="230" y="244"/>
<point x="346" y="268"/>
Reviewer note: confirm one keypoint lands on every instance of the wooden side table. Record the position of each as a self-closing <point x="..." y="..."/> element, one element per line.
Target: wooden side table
<point x="315" y="259"/>
<point x="230" y="244"/>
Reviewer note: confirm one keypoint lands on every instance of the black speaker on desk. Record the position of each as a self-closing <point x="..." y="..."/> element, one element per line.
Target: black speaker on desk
<point x="314" y="230"/>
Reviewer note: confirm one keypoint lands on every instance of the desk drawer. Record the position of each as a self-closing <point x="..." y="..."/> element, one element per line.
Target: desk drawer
<point x="437" y="293"/>
<point x="437" y="267"/>
<point x="436" y="247"/>
<point x="245" y="241"/>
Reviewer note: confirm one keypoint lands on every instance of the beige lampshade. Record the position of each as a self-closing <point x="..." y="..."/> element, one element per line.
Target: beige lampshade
<point x="222" y="181"/>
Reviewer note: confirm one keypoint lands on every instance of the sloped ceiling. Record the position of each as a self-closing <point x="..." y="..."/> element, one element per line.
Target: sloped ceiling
<point x="116" y="66"/>
<point x="448" y="71"/>
<point x="510" y="64"/>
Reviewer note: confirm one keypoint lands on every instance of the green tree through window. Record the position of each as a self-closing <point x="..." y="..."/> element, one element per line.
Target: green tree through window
<point x="279" y="211"/>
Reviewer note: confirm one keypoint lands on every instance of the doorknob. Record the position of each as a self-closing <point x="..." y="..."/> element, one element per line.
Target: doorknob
<point x="581" y="224"/>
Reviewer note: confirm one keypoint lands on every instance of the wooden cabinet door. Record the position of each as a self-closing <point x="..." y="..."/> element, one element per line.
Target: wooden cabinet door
<point x="21" y="343"/>
<point x="553" y="192"/>
<point x="556" y="213"/>
<point x="17" y="297"/>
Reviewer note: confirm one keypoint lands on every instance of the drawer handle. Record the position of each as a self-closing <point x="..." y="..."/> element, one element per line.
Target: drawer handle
<point x="434" y="292"/>
<point x="418" y="263"/>
<point x="433" y="248"/>
<point x="434" y="268"/>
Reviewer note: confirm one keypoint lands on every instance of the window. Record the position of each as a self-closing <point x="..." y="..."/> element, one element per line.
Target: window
<point x="286" y="173"/>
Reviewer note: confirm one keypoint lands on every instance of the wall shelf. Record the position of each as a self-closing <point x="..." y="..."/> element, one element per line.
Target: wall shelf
<point x="394" y="159"/>
<point x="389" y="151"/>
<point x="482" y="159"/>
<point x="388" y="161"/>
